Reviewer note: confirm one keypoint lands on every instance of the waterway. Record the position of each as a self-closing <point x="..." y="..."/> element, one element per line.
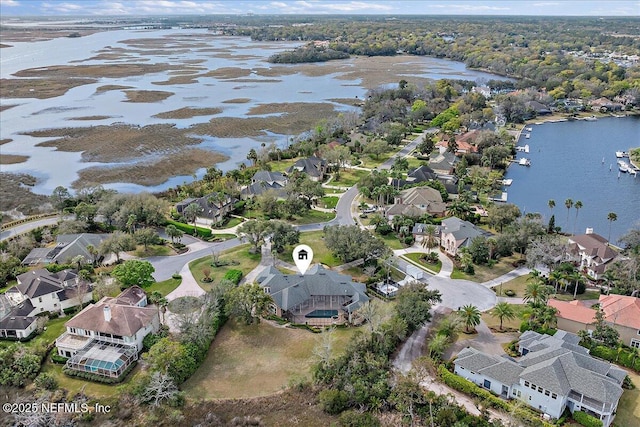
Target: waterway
<point x="55" y="168"/>
<point x="567" y="163"/>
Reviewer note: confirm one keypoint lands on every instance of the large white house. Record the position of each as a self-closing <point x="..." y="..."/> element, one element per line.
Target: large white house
<point x="553" y="373"/>
<point x="593" y="252"/>
<point x="106" y="337"/>
<point x="456" y="233"/>
<point x="39" y="291"/>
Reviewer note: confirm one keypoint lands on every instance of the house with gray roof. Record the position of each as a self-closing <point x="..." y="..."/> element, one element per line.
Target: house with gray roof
<point x="319" y="297"/>
<point x="443" y="163"/>
<point x="214" y="207"/>
<point x="553" y="374"/>
<point x="417" y="201"/>
<point x="313" y="167"/>
<point x="67" y="247"/>
<point x="264" y="181"/>
<point x="456" y="233"/>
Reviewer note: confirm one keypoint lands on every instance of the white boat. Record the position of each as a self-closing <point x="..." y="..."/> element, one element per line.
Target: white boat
<point x="528" y="129"/>
<point x="633" y="172"/>
<point x="591" y="118"/>
<point x="507" y="182"/>
<point x="524" y="162"/>
<point x="621" y="154"/>
<point x="526" y="148"/>
<point x="528" y="136"/>
<point x="623" y="167"/>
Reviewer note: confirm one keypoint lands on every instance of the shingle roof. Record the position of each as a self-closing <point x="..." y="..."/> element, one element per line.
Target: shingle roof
<point x="268" y="176"/>
<point x="38" y="282"/>
<point x="16" y="323"/>
<point x="312" y="166"/>
<point x="593" y="245"/>
<point x="463" y="231"/>
<point x="289" y="290"/>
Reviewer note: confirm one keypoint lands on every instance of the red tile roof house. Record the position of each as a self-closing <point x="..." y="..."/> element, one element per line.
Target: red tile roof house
<point x="593" y="252"/>
<point x="620" y="312"/>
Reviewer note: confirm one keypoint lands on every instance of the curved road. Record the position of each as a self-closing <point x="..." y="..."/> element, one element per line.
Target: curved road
<point x="27" y="226"/>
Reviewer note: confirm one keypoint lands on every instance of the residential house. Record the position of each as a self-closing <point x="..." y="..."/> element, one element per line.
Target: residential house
<point x="593" y="252"/>
<point x="465" y="143"/>
<point x="67" y="247"/>
<point x="456" y="234"/>
<point x="482" y="90"/>
<point x="620" y="312"/>
<point x="537" y="108"/>
<point x="214" y="207"/>
<point x="605" y="105"/>
<point x="417" y="201"/>
<point x="264" y="181"/>
<point x="105" y="338"/>
<point x="318" y="297"/>
<point x="418" y="175"/>
<point x="553" y="374"/>
<point x="314" y="167"/>
<point x="443" y="163"/>
<point x="50" y="292"/>
<point x="39" y="291"/>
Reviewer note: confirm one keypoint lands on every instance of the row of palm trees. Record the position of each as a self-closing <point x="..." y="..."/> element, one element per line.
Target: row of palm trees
<point x="569" y="203"/>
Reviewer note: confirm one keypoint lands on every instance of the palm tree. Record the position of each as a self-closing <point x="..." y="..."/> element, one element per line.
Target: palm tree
<point x="437" y="345"/>
<point x="161" y="303"/>
<point x="552" y="204"/>
<point x="503" y="310"/>
<point x="609" y="278"/>
<point x="429" y="240"/>
<point x="555" y="276"/>
<point x="568" y="204"/>
<point x="536" y="294"/>
<point x="577" y="278"/>
<point x="611" y="216"/>
<point x="578" y="206"/>
<point x="470" y="317"/>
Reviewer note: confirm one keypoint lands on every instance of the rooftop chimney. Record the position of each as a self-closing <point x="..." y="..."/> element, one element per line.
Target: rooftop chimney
<point x="107" y="313"/>
<point x="589" y="230"/>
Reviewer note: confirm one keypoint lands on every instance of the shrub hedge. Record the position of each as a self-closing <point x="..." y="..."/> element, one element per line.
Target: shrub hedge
<point x="586" y="420"/>
<point x="234" y="275"/>
<point x="187" y="228"/>
<point x="625" y="358"/>
<point x="99" y="378"/>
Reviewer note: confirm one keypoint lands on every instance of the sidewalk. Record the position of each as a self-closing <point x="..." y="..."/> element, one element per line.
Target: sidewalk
<point x="188" y="286"/>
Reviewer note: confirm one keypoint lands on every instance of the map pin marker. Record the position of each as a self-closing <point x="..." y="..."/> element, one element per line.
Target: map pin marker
<point x="302" y="256"/>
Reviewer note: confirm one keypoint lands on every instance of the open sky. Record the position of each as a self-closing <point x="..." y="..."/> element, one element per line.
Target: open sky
<point x="396" y="7"/>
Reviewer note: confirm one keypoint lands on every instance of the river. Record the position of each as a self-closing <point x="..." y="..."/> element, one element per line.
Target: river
<point x="54" y="168"/>
<point x="567" y="162"/>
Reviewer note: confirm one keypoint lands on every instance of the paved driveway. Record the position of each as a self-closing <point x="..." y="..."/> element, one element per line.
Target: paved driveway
<point x="456" y="293"/>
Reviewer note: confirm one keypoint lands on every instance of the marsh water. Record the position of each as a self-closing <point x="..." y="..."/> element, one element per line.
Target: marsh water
<point x="55" y="168"/>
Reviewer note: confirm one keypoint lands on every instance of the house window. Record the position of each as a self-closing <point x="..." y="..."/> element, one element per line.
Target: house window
<point x="72" y="330"/>
<point x="554" y="396"/>
<point x="526" y="383"/>
<point x="40" y="299"/>
<point x="267" y="289"/>
<point x="519" y="394"/>
<point x="513" y="392"/>
<point x="539" y="389"/>
<point x="487" y="384"/>
<point x="635" y="343"/>
<point x="547" y="393"/>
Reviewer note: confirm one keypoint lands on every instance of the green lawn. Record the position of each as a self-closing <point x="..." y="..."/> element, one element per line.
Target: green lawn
<point x="519" y="286"/>
<point x="245" y="260"/>
<point x="484" y="272"/>
<point x="415" y="163"/>
<point x="165" y="287"/>
<point x="512" y="324"/>
<point x="315" y="241"/>
<point x="77" y="385"/>
<point x="256" y="360"/>
<point x="282" y="165"/>
<point x="224" y="236"/>
<point x="628" y="413"/>
<point x="328" y="202"/>
<point x="229" y="222"/>
<point x="153" y="250"/>
<point x="586" y="296"/>
<point x="312" y="217"/>
<point x="54" y="329"/>
<point x="392" y="241"/>
<point x="417" y="258"/>
<point x="372" y="162"/>
<point x="349" y="177"/>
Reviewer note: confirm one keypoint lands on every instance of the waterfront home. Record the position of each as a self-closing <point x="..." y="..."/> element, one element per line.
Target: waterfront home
<point x="465" y="143"/>
<point x="443" y="163"/>
<point x="264" y="181"/>
<point x="417" y="201"/>
<point x="67" y="247"/>
<point x="536" y="108"/>
<point x="314" y="167"/>
<point x="456" y="234"/>
<point x="106" y="337"/>
<point x="620" y="312"/>
<point x="553" y="374"/>
<point x="593" y="252"/>
<point x="605" y="105"/>
<point x="214" y="207"/>
<point x="320" y="297"/>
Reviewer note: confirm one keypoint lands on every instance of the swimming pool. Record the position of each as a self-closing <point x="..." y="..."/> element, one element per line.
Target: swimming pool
<point x="323" y="314"/>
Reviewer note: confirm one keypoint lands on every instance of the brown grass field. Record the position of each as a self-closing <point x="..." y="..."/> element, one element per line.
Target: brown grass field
<point x="147" y="95"/>
<point x="6" y="107"/>
<point x="5" y="141"/>
<point x="113" y="71"/>
<point x="42" y="88"/>
<point x="91" y="118"/>
<point x="15" y="194"/>
<point x="188" y="112"/>
<point x="185" y="162"/>
<point x="237" y="101"/>
<point x="10" y="159"/>
<point x="107" y="88"/>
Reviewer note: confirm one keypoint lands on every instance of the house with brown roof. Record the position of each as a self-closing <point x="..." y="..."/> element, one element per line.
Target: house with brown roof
<point x="417" y="201"/>
<point x="593" y="252"/>
<point x="106" y="337"/>
<point x="620" y="312"/>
